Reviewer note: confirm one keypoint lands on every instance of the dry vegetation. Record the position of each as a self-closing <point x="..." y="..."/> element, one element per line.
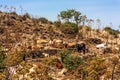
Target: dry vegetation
<point x="38" y="49"/>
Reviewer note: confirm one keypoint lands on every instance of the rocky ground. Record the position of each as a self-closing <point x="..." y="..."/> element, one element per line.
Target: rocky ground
<point x="42" y="41"/>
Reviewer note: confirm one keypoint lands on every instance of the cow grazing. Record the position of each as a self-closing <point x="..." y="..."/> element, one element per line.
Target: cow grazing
<point x="24" y="57"/>
<point x="103" y="45"/>
<point x="65" y="45"/>
<point x="117" y="48"/>
<point x="81" y="47"/>
<point x="58" y="64"/>
<point x="64" y="70"/>
<point x="70" y="45"/>
<point x="33" y="55"/>
<point x="45" y="54"/>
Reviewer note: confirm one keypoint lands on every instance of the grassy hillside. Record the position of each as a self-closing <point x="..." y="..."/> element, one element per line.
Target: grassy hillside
<point x="38" y="49"/>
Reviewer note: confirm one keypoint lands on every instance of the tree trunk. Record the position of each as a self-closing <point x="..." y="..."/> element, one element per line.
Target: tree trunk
<point x="83" y="23"/>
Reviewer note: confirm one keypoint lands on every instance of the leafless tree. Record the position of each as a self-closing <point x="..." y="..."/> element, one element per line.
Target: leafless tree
<point x="89" y="23"/>
<point x="98" y="23"/>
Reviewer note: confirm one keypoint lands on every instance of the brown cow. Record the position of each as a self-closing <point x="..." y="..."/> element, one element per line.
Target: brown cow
<point x="58" y="64"/>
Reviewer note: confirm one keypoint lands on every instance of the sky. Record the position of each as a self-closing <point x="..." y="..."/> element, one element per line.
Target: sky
<point x="108" y="11"/>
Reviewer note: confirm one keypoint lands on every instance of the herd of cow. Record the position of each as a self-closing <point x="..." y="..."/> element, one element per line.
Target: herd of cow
<point x="79" y="47"/>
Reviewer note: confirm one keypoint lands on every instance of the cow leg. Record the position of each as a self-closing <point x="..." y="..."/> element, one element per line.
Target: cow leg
<point x="84" y="51"/>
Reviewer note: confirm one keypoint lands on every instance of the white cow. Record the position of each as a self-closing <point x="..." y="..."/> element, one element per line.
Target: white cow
<point x="103" y="45"/>
<point x="117" y="48"/>
<point x="46" y="55"/>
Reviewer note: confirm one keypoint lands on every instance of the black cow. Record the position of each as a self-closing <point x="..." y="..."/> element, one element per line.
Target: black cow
<point x="24" y="57"/>
<point x="81" y="47"/>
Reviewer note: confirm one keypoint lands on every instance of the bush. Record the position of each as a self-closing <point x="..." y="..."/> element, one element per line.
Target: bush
<point x="69" y="28"/>
<point x="43" y="20"/>
<point x="25" y="16"/>
<point x="2" y="58"/>
<point x="14" y="59"/>
<point x="48" y="61"/>
<point x="80" y="27"/>
<point x="57" y="23"/>
<point x="111" y="31"/>
<point x="50" y="28"/>
<point x="70" y="61"/>
<point x="88" y="28"/>
<point x="50" y="22"/>
<point x="107" y="28"/>
<point x="115" y="51"/>
<point x="64" y="53"/>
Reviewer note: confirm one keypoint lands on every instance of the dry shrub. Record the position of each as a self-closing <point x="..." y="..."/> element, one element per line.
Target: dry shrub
<point x="115" y="51"/>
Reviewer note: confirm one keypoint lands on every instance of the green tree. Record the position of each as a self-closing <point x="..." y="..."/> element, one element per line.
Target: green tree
<point x="43" y="20"/>
<point x="71" y="14"/>
<point x="66" y="15"/>
<point x="77" y="16"/>
<point x="111" y="31"/>
<point x="70" y="61"/>
<point x="69" y="28"/>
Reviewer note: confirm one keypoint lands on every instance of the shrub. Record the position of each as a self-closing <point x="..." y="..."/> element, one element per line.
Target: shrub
<point x="13" y="59"/>
<point x="48" y="61"/>
<point x="2" y="58"/>
<point x="57" y="23"/>
<point x="50" y="22"/>
<point x="80" y="27"/>
<point x="25" y="16"/>
<point x="111" y="31"/>
<point x="88" y="28"/>
<point x="107" y="28"/>
<point x="69" y="28"/>
<point x="43" y="20"/>
<point x="70" y="61"/>
<point x="115" y="51"/>
<point x="64" y="53"/>
<point x="50" y="28"/>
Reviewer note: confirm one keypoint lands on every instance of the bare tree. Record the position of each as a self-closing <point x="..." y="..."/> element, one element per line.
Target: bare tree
<point x="58" y="17"/>
<point x="1" y="7"/>
<point x="83" y="19"/>
<point x="21" y="9"/>
<point x="89" y="23"/>
<point x="98" y="23"/>
<point x="119" y="27"/>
